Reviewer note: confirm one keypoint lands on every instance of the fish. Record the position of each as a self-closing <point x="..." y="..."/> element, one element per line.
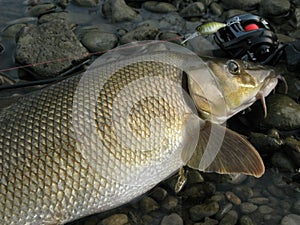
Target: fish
<point x="102" y="138"/>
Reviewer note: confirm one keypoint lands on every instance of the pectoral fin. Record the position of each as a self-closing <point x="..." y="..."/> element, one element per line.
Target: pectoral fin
<point x="224" y="151"/>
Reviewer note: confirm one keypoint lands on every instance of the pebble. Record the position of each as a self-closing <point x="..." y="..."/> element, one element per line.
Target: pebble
<point x="244" y="192"/>
<point x="198" y="212"/>
<point x="241" y="4"/>
<point x="97" y="41"/>
<point x="246" y="220"/>
<point x="292" y="149"/>
<point x="282" y="161"/>
<point x="118" y="11"/>
<point x="259" y="200"/>
<point x="230" y="218"/>
<point x="86" y="3"/>
<point x="196" y="9"/>
<point x="53" y="16"/>
<point x="216" y="9"/>
<point x="233" y="198"/>
<point x="291" y="219"/>
<point x="159" y="194"/>
<point x="264" y="209"/>
<point x="117" y="219"/>
<point x="274" y="7"/>
<point x="223" y="211"/>
<point x="39" y="9"/>
<point x="275" y="191"/>
<point x="61" y="3"/>
<point x="172" y="219"/>
<point x="296" y="207"/>
<point x="148" y="204"/>
<point x="169" y="203"/>
<point x="35" y="41"/>
<point x="159" y="7"/>
<point x="141" y="33"/>
<point x="208" y="221"/>
<point x="247" y="207"/>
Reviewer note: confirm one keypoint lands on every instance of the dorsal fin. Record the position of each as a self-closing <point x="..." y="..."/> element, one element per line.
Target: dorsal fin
<point x="234" y="155"/>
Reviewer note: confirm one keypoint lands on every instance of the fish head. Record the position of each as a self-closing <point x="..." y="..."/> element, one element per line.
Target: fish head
<point x="237" y="85"/>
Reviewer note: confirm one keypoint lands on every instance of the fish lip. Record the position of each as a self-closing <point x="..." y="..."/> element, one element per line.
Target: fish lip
<point x="269" y="84"/>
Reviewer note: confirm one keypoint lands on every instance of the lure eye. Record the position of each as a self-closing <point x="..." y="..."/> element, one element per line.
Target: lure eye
<point x="233" y="67"/>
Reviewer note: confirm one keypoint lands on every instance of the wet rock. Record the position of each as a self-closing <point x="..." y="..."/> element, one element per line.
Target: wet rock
<point x="244" y="192"/>
<point x="144" y="32"/>
<point x="159" y="194"/>
<point x="117" y="219"/>
<point x="53" y="16"/>
<point x="283" y="113"/>
<point x="147" y="205"/>
<point x="241" y="4"/>
<point x="2" y="49"/>
<point x="223" y="211"/>
<point x="230" y="218"/>
<point x="292" y="148"/>
<point x="47" y="42"/>
<point x="171" y="20"/>
<point x="159" y="7"/>
<point x="170" y="203"/>
<point x="231" y="13"/>
<point x="264" y="209"/>
<point x="233" y="198"/>
<point x="282" y="161"/>
<point x="86" y="3"/>
<point x="198" y="212"/>
<point x="208" y="221"/>
<point x="296" y="207"/>
<point x="194" y="177"/>
<point x="118" y="11"/>
<point x="237" y="178"/>
<point x="274" y="7"/>
<point x="170" y="36"/>
<point x="291" y="219"/>
<point x="12" y="30"/>
<point x="259" y="200"/>
<point x="172" y="219"/>
<point x="41" y="9"/>
<point x="196" y="9"/>
<point x="246" y="220"/>
<point x="96" y="41"/>
<point x="216" y="9"/>
<point x="276" y="191"/>
<point x="61" y="3"/>
<point x="265" y="143"/>
<point x="247" y="207"/>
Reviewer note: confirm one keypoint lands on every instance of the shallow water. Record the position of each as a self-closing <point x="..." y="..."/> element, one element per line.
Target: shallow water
<point x="278" y="187"/>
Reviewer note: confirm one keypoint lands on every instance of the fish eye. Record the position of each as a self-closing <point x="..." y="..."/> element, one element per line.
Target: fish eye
<point x="233" y="67"/>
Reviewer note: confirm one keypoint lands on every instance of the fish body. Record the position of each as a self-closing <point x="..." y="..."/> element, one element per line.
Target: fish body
<point x="100" y="139"/>
<point x="210" y="28"/>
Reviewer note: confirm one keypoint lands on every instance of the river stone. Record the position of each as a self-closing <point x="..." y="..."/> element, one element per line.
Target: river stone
<point x="208" y="221"/>
<point x="12" y="30"/>
<point x="247" y="207"/>
<point x="144" y="32"/>
<point x="233" y="198"/>
<point x="86" y="3"/>
<point x="243" y="191"/>
<point x="241" y="4"/>
<point x="198" y="212"/>
<point x="281" y="160"/>
<point x="47" y="42"/>
<point x="291" y="219"/>
<point x="264" y="209"/>
<point x="37" y="10"/>
<point x="246" y="220"/>
<point x="117" y="219"/>
<point x="274" y="7"/>
<point x="223" y="211"/>
<point x="216" y="9"/>
<point x="169" y="203"/>
<point x="53" y="16"/>
<point x="230" y="218"/>
<point x="292" y="148"/>
<point x="97" y="41"/>
<point x="259" y="200"/>
<point x="159" y="194"/>
<point x="118" y="11"/>
<point x="296" y="207"/>
<point x="283" y="113"/>
<point x="61" y="3"/>
<point x="159" y="7"/>
<point x="148" y="204"/>
<point x="172" y="219"/>
<point x="196" y="9"/>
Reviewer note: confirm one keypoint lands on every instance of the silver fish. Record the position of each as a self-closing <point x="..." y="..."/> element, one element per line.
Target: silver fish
<point x="100" y="139"/>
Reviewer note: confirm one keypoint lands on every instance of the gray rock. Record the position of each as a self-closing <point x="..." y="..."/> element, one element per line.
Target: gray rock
<point x="169" y="203"/>
<point x="53" y="16"/>
<point x="241" y="4"/>
<point x="61" y="3"/>
<point x="208" y="221"/>
<point x="264" y="209"/>
<point x="223" y="211"/>
<point x="86" y="3"/>
<point x="196" y="9"/>
<point x="12" y="30"/>
<point x="41" y="9"/>
<point x="247" y="207"/>
<point x="246" y="220"/>
<point x="243" y="191"/>
<point x="172" y="219"/>
<point x="117" y="219"/>
<point x="96" y="41"/>
<point x="283" y="113"/>
<point x="282" y="161"/>
<point x="259" y="200"/>
<point x="265" y="143"/>
<point x="292" y="148"/>
<point x="140" y="33"/>
<point x="216" y="9"/>
<point x="166" y="21"/>
<point x="231" y="13"/>
<point x="274" y="7"/>
<point x="291" y="219"/>
<point x="159" y="7"/>
<point x="230" y="218"/>
<point x="118" y="11"/>
<point x="159" y="194"/>
<point x="276" y="191"/>
<point x="194" y="177"/>
<point x="198" y="212"/>
<point x="47" y="42"/>
<point x="296" y="207"/>
<point x="233" y="198"/>
<point x="147" y="205"/>
<point x="172" y="37"/>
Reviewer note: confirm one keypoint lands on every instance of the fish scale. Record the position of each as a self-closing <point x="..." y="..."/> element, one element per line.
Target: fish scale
<point x="53" y="182"/>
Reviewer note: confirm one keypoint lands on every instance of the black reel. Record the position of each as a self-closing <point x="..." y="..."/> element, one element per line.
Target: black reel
<point x="248" y="37"/>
